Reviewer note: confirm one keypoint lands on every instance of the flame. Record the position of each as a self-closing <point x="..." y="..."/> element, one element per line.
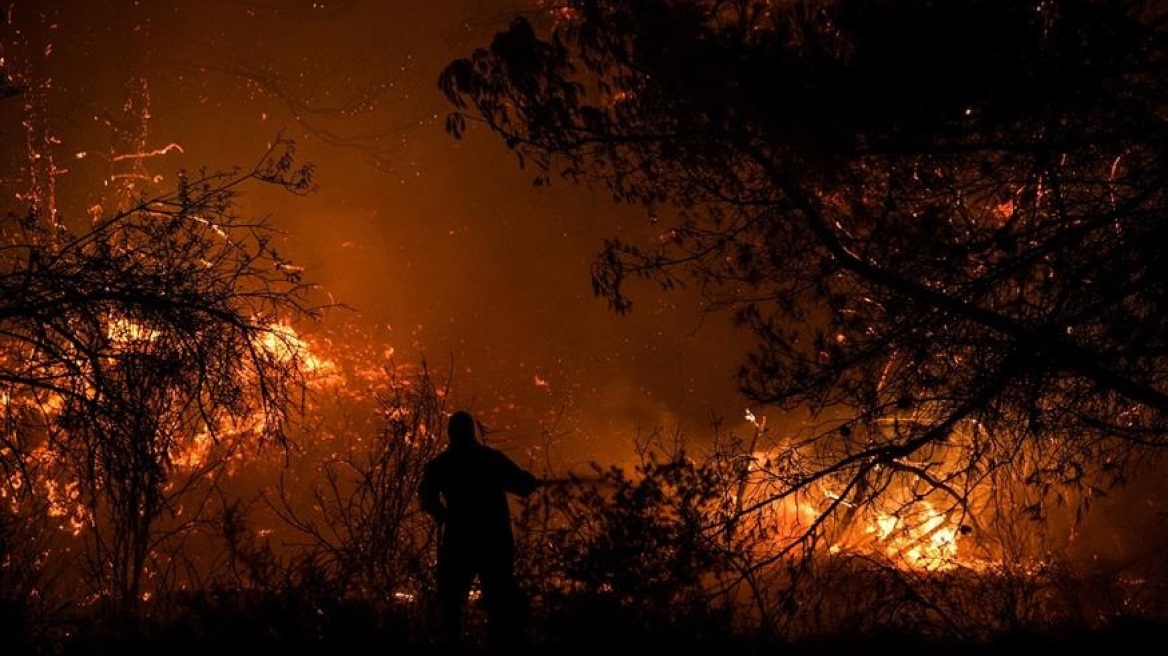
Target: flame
<point x="287" y="346"/>
<point x="907" y="530"/>
<point x="919" y="537"/>
<point x="121" y="330"/>
<point x="195" y="453"/>
<point x="759" y="423"/>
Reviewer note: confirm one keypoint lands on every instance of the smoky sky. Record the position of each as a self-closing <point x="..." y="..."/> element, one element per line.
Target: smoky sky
<point x="442" y="249"/>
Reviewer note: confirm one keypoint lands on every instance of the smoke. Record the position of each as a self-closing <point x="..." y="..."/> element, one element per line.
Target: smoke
<point x="442" y="248"/>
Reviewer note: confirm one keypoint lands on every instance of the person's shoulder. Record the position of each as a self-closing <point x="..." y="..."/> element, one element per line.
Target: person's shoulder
<point x="493" y="452"/>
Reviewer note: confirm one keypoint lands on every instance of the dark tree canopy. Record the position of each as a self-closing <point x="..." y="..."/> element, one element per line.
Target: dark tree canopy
<point x="939" y="218"/>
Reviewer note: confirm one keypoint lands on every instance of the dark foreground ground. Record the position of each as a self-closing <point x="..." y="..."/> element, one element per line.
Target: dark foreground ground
<point x="1123" y="636"/>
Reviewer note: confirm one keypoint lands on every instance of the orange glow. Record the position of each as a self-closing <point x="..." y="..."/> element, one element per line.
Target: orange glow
<point x="125" y="331"/>
<point x="195" y="453"/>
<point x="157" y="152"/>
<point x="905" y="529"/>
<point x="920" y="538"/>
<point x="287" y="346"/>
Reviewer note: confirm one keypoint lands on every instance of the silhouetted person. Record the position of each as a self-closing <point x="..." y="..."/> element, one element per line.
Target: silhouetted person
<point x="465" y="489"/>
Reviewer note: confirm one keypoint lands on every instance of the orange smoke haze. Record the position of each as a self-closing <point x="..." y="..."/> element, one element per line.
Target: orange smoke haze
<point x="443" y="249"/>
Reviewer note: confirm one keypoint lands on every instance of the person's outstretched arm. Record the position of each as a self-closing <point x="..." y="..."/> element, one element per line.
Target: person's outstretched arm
<point x="516" y="479"/>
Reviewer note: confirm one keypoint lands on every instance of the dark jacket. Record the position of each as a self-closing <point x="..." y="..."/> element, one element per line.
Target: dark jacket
<point x="465" y="489"/>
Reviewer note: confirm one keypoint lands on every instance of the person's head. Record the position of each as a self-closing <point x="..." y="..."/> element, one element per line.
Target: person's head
<point x="461" y="429"/>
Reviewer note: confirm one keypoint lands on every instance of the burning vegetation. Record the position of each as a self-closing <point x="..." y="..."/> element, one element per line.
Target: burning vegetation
<point x="959" y="284"/>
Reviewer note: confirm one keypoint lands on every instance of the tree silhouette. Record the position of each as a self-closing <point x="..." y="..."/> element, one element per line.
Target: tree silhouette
<point x="940" y="221"/>
<point x="126" y="342"/>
